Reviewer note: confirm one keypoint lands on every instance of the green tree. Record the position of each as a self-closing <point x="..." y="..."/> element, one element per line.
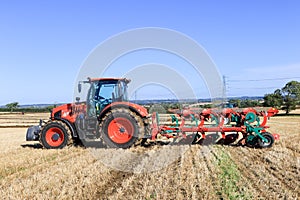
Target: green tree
<point x="235" y="102"/>
<point x="249" y="103"/>
<point x="291" y="96"/>
<point x="273" y="100"/>
<point x="12" y="106"/>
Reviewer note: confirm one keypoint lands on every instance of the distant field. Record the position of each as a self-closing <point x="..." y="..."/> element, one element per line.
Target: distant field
<point x="18" y="119"/>
<point x="203" y="172"/>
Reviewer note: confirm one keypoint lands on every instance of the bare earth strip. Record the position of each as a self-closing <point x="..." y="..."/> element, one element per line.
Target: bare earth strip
<point x="202" y="172"/>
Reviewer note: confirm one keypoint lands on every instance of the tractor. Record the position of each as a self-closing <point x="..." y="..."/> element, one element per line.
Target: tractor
<point x="106" y="117"/>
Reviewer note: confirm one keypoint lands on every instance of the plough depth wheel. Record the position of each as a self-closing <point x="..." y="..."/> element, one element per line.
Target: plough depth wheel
<point x="266" y="144"/>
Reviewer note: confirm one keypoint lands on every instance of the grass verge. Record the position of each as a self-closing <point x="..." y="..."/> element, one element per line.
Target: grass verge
<point x="230" y="177"/>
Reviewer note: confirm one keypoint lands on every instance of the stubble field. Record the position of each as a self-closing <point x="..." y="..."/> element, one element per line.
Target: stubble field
<point x="202" y="172"/>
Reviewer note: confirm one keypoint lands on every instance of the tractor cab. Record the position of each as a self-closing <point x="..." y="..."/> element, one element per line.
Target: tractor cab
<point x="105" y="91"/>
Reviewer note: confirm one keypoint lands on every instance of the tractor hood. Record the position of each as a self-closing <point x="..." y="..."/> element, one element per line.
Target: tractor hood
<point x="64" y="111"/>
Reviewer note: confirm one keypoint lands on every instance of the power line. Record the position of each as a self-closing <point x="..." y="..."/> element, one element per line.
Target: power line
<point x="254" y="88"/>
<point x="266" y="79"/>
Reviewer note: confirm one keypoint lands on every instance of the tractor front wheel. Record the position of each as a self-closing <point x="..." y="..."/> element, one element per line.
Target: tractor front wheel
<point x="55" y="135"/>
<point x="121" y="128"/>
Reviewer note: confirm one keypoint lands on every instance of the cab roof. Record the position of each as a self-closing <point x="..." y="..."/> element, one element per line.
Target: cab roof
<point x="108" y="79"/>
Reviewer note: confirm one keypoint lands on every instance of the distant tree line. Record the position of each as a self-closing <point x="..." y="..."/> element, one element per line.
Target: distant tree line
<point x="15" y="107"/>
<point x="245" y="103"/>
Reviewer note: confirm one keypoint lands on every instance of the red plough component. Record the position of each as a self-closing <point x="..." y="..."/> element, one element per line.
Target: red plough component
<point x="228" y="122"/>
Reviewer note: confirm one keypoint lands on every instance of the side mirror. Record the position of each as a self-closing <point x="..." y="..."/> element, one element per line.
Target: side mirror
<point x="79" y="87"/>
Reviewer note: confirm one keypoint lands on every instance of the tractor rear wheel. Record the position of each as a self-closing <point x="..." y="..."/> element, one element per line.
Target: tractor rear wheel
<point x="121" y="128"/>
<point x="266" y="144"/>
<point x="55" y="135"/>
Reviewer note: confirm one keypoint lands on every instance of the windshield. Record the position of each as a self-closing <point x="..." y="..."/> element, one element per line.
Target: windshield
<point x="103" y="93"/>
<point x="112" y="91"/>
<point x="106" y="91"/>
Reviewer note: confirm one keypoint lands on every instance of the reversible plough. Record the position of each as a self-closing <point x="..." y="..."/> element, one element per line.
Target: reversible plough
<point x="229" y="126"/>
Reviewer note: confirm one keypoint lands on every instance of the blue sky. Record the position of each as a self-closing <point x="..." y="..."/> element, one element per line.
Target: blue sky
<point x="44" y="43"/>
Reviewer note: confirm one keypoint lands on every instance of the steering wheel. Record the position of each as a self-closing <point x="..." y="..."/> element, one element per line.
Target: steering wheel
<point x="106" y="101"/>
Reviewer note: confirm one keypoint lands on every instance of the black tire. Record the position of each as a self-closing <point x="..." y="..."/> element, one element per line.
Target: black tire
<point x="121" y="128"/>
<point x="251" y="141"/>
<point x="270" y="139"/>
<point x="55" y="135"/>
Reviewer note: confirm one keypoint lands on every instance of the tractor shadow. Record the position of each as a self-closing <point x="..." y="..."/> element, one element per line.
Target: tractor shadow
<point x="287" y="115"/>
<point x="211" y="139"/>
<point x="33" y="146"/>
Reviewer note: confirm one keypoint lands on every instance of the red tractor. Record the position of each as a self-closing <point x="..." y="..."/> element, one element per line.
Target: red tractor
<point x="106" y="117"/>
